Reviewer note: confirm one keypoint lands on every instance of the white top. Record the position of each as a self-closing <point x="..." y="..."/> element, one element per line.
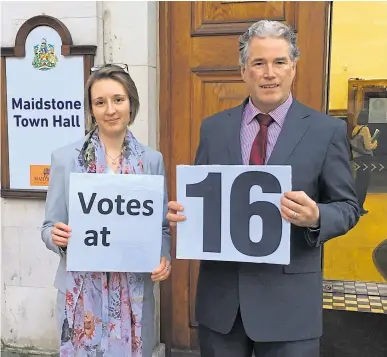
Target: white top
<point x="109" y="170"/>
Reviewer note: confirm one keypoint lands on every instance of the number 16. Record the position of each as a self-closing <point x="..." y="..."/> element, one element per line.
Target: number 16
<point x="210" y="189"/>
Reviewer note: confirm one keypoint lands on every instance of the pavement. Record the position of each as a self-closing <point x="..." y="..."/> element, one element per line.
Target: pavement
<point x="159" y="351"/>
<point x="13" y="354"/>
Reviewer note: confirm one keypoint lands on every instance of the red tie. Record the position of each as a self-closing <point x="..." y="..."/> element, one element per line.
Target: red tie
<point x="258" y="149"/>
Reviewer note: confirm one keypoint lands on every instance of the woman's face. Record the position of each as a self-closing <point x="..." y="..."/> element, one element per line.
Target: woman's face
<point x="110" y="106"/>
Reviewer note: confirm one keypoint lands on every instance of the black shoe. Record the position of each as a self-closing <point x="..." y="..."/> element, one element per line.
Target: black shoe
<point x="363" y="212"/>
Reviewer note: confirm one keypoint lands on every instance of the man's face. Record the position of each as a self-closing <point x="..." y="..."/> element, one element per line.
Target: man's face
<point x="268" y="72"/>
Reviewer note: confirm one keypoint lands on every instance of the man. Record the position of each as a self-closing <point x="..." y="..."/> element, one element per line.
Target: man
<point x="274" y="310"/>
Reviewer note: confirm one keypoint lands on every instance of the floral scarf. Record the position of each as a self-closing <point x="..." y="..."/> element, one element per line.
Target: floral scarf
<point x="103" y="311"/>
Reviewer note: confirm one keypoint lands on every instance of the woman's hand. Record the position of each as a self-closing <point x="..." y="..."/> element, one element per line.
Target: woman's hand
<point x="163" y="271"/>
<point x="60" y="234"/>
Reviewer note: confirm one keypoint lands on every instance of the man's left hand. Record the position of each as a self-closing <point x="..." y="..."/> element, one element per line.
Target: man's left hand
<point x="299" y="209"/>
<point x="163" y="271"/>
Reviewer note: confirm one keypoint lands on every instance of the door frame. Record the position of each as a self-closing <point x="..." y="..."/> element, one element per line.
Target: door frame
<point x="166" y="323"/>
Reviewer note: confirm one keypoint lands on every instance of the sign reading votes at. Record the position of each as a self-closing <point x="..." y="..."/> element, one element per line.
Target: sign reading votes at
<point x="116" y="222"/>
<point x="233" y="213"/>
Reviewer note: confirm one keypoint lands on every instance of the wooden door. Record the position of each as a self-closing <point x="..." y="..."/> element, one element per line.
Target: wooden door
<point x="200" y="76"/>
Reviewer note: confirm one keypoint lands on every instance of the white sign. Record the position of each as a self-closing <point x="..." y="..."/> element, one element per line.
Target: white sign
<point x="44" y="107"/>
<point x="378" y="111"/>
<point x="233" y="213"/>
<point x="116" y="222"/>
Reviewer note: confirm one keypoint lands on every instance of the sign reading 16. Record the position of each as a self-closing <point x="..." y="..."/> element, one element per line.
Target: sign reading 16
<point x="241" y="210"/>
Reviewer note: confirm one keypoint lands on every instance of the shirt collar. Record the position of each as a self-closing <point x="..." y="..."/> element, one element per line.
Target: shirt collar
<point x="278" y="114"/>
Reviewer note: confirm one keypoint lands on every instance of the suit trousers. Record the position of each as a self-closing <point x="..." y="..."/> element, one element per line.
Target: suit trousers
<point x="236" y="343"/>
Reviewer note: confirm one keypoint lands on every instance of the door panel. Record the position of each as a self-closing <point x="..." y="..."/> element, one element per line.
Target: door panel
<point x="232" y="17"/>
<point x="200" y="76"/>
<point x="213" y="90"/>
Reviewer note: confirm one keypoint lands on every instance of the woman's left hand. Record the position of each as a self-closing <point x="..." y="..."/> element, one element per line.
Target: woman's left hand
<point x="163" y="271"/>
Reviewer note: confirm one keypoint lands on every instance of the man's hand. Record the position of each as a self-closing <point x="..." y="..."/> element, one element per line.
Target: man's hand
<point x="299" y="209"/>
<point x="163" y="271"/>
<point x="172" y="216"/>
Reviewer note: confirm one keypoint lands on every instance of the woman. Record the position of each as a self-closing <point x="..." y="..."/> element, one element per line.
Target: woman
<point x="103" y="314"/>
<point x="362" y="148"/>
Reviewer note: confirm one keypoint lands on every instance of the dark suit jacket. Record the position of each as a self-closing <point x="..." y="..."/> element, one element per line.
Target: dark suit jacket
<point x="280" y="303"/>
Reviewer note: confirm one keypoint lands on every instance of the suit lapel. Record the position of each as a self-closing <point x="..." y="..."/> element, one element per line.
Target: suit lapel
<point x="296" y="124"/>
<point x="233" y="131"/>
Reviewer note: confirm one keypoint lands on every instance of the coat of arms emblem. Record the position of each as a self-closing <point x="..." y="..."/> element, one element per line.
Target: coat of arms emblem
<point x="45" y="57"/>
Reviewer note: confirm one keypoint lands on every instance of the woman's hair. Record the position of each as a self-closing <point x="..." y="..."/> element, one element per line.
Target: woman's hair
<point x="118" y="74"/>
<point x="362" y="118"/>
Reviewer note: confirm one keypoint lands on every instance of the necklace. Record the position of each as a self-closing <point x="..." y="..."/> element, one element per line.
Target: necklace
<point x="114" y="161"/>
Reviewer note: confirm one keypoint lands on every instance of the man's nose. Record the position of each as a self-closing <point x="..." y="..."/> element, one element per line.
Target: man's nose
<point x="269" y="71"/>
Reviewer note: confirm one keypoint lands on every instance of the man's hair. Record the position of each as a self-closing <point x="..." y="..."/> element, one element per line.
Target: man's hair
<point x="264" y="29"/>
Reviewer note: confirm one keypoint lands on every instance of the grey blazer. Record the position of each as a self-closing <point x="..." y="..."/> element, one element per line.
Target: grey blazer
<point x="280" y="303"/>
<point x="63" y="162"/>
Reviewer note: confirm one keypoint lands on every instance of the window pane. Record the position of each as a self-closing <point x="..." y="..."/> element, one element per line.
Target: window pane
<point x="358" y="94"/>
